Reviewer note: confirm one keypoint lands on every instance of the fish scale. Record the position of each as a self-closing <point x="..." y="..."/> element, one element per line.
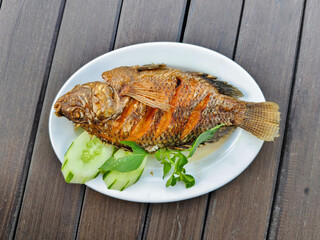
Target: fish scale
<point x="158" y="107"/>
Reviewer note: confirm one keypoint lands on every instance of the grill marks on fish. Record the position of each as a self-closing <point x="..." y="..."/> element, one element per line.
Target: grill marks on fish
<point x="188" y="100"/>
<point x="129" y="109"/>
<point x="143" y="125"/>
<point x="155" y="122"/>
<point x="195" y="117"/>
<point x="167" y="117"/>
<point x="155" y="125"/>
<point x="158" y="107"/>
<point x="133" y="114"/>
<point x="173" y="121"/>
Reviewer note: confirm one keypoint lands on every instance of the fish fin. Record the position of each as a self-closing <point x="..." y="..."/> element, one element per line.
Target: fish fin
<point x="184" y="147"/>
<point x="262" y="120"/>
<point x="144" y="93"/>
<point x="151" y="67"/>
<point x="220" y="133"/>
<point x="222" y="87"/>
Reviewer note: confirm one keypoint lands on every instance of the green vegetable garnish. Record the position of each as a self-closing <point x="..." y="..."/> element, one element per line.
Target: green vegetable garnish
<point x="177" y="160"/>
<point x="128" y="163"/>
<point x="171" y="159"/>
<point x="202" y="138"/>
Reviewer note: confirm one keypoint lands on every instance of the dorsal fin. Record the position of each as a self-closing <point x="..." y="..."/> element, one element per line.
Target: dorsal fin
<point x="223" y="87"/>
<point x="145" y="93"/>
<point x="151" y="67"/>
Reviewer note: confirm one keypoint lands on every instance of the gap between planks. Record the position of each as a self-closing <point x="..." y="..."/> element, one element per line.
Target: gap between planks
<point x="183" y="24"/>
<point x="32" y="138"/>
<point x="180" y="38"/>
<point x="184" y="20"/>
<point x="238" y="31"/>
<point x="80" y="210"/>
<point x="116" y="25"/>
<point x="273" y="216"/>
<point x="111" y="47"/>
<point x="233" y="56"/>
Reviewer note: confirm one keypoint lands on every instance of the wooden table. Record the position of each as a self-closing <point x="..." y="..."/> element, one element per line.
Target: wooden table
<point x="43" y="42"/>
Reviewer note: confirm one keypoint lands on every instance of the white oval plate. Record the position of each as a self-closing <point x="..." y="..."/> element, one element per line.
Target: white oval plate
<point x="210" y="172"/>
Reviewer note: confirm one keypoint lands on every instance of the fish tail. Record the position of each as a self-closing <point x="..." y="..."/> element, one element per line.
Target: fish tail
<point x="262" y="120"/>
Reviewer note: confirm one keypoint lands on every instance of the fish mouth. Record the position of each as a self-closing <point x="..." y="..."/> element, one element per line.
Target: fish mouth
<point x="57" y="108"/>
<point x="76" y="114"/>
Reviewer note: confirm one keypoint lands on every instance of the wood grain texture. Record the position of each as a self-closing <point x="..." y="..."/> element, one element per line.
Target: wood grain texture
<point x="266" y="49"/>
<point x="177" y="220"/>
<point x="109" y="218"/>
<point x="213" y="24"/>
<point x="296" y="213"/>
<point x="26" y="33"/>
<point x="125" y="220"/>
<point x="148" y="21"/>
<point x="51" y="207"/>
<point x="209" y="24"/>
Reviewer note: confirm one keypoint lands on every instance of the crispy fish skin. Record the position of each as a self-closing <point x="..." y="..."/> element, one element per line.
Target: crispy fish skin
<point x="158" y="107"/>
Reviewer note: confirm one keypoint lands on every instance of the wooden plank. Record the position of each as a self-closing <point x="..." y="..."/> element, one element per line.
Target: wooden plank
<point x="140" y="21"/>
<point x="266" y="49"/>
<point x="177" y="220"/>
<point x="26" y="33"/>
<point x="110" y="218"/>
<point x="51" y="207"/>
<point x="149" y="21"/>
<point x="296" y="212"/>
<point x="214" y="24"/>
<point x="185" y="219"/>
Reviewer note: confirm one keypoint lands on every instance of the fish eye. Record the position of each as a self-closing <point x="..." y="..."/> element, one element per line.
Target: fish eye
<point x="78" y="114"/>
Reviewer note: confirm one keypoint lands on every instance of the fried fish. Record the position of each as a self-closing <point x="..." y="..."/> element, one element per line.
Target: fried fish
<point x="156" y="107"/>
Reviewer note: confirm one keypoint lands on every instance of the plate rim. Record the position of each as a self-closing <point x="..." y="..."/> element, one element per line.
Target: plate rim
<point x="116" y="194"/>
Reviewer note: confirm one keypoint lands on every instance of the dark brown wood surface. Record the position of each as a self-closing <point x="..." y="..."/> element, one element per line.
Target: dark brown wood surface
<point x="266" y="48"/>
<point x="149" y="21"/>
<point x="43" y="42"/>
<point x="51" y="208"/>
<point x="186" y="219"/>
<point x="214" y="24"/>
<point x="296" y="214"/>
<point x="27" y="30"/>
<point x="127" y="219"/>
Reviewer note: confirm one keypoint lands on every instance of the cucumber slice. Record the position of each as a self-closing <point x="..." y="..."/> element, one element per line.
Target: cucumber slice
<point x="84" y="157"/>
<point x="122" y="180"/>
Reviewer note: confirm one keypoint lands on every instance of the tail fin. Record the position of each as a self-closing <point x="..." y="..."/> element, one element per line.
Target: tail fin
<point x="262" y="120"/>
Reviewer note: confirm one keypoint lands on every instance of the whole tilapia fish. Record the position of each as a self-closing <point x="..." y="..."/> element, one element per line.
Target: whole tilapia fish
<point x="158" y="107"/>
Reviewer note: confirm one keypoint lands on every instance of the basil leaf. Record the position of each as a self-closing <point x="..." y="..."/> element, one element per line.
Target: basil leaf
<point x="135" y="147"/>
<point x="171" y="181"/>
<point x="166" y="168"/>
<point x="202" y="138"/>
<point x="174" y="158"/>
<point x="160" y="154"/>
<point x="182" y="160"/>
<point x="124" y="164"/>
<point x="130" y="163"/>
<point x="188" y="180"/>
<point x="108" y="165"/>
<point x="178" y="179"/>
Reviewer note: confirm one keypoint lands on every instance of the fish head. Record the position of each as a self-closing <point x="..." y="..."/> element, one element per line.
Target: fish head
<point x="88" y="103"/>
